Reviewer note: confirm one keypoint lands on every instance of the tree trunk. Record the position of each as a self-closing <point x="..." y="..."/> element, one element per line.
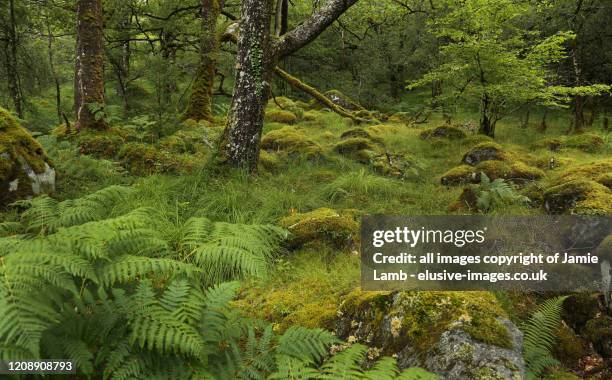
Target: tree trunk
<point x="58" y="93"/>
<point x="240" y="142"/>
<point x="578" y="124"/>
<point x="200" y="104"/>
<point x="255" y="59"/>
<point x="89" y="76"/>
<point x="14" y="87"/>
<point x="487" y="126"/>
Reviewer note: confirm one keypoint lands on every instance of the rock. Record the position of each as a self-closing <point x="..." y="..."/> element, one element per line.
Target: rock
<point x="457" y="356"/>
<point x="322" y="225"/>
<point x="291" y="141"/>
<point x="578" y="197"/>
<point x="569" y="347"/>
<point x="400" y="166"/>
<point x="457" y="335"/>
<point x="599" y="332"/>
<point x="484" y="152"/>
<point x="515" y="172"/>
<point x="599" y="171"/>
<point x="343" y="101"/>
<point x="552" y="144"/>
<point x="281" y="116"/>
<point x="445" y="131"/>
<point x="358" y="148"/>
<point x="358" y="133"/>
<point x="25" y="169"/>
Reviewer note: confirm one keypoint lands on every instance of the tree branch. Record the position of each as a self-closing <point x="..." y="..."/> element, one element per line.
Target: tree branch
<point x="310" y="29"/>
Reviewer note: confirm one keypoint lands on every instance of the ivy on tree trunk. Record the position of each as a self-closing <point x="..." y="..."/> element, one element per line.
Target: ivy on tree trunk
<point x="89" y="68"/>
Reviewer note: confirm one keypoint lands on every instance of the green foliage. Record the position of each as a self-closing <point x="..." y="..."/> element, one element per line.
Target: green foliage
<point x="539" y="337"/>
<point x="493" y="194"/>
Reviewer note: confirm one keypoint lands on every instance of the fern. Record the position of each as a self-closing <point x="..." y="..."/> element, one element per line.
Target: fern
<point x="493" y="194"/>
<point x="539" y="336"/>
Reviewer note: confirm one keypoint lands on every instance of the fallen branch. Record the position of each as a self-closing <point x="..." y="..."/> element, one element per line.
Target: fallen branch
<point x="298" y="84"/>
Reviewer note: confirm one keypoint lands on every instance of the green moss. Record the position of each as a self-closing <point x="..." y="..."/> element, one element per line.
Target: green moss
<point x="586" y="142"/>
<point x="560" y="374"/>
<point x="269" y="161"/>
<point x="552" y="144"/>
<point x="578" y="197"/>
<point x="344" y="101"/>
<point x="102" y="145"/>
<point x="322" y="225"/>
<point x="311" y="115"/>
<point x="604" y="250"/>
<point x="358" y="148"/>
<point x="174" y="144"/>
<point x="281" y="116"/>
<point x="599" y="332"/>
<point x="593" y="171"/>
<point x="605" y="179"/>
<point x="485" y="151"/>
<point x="445" y="131"/>
<point x="145" y="159"/>
<point x="423" y="316"/>
<point x="460" y="175"/>
<point x="16" y="143"/>
<point x="569" y="347"/>
<point x="291" y="141"/>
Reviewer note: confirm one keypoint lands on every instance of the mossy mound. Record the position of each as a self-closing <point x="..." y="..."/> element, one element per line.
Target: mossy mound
<point x="291" y="141"/>
<point x="401" y="166"/>
<point x="578" y="197"/>
<point x="311" y="115"/>
<point x="281" y="116"/>
<point x="560" y="374"/>
<point x="598" y="171"/>
<point x="145" y="159"/>
<point x="486" y="151"/>
<point x="586" y="142"/>
<point x="579" y="308"/>
<point x="25" y="169"/>
<point x="322" y="225"/>
<point x="515" y="172"/>
<point x="358" y="133"/>
<point x="269" y="161"/>
<point x="100" y="145"/>
<point x="443" y="132"/>
<point x="400" y="118"/>
<point x="413" y="326"/>
<point x="599" y="332"/>
<point x="358" y="148"/>
<point x="468" y="201"/>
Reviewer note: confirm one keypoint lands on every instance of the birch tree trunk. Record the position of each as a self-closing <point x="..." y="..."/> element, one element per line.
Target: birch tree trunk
<point x="14" y="87"/>
<point x="89" y="68"/>
<point x="199" y="106"/>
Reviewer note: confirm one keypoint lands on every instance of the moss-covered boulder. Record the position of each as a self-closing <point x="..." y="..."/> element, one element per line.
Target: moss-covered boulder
<point x="281" y="116"/>
<point x="25" y="169"/>
<point x="578" y="197"/>
<point x="323" y="225"/>
<point x="101" y="145"/>
<point x="291" y="141"/>
<point x="486" y="151"/>
<point x="443" y="132"/>
<point x="145" y="159"/>
<point x="358" y="133"/>
<point x="268" y="161"/>
<point x="358" y="148"/>
<point x="340" y="99"/>
<point x="515" y="172"/>
<point x="599" y="332"/>
<point x="579" y="308"/>
<point x="598" y="171"/>
<point x="586" y="142"/>
<point x="552" y="144"/>
<point x="401" y="166"/>
<point x="569" y="347"/>
<point x="457" y="335"/>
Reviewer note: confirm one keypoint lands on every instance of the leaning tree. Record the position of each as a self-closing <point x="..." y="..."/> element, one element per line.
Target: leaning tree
<point x="256" y="58"/>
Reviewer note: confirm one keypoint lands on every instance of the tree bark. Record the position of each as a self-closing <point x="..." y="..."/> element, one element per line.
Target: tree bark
<point x="89" y="75"/>
<point x="14" y="87"/>
<point x="58" y="93"/>
<point x="200" y="104"/>
<point x="487" y="126"/>
<point x="255" y="59"/>
<point x="240" y="142"/>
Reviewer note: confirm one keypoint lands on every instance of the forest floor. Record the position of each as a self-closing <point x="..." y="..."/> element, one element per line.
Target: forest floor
<point x="306" y="170"/>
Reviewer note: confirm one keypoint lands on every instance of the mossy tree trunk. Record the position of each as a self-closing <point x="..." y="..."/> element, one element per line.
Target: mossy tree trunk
<point x="487" y="123"/>
<point x="89" y="68"/>
<point x="10" y="52"/>
<point x="255" y="59"/>
<point x="200" y="104"/>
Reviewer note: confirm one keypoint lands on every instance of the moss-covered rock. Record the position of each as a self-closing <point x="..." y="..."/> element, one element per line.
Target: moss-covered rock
<point x="101" y="145"/>
<point x="445" y="132"/>
<point x="468" y="201"/>
<point x="484" y="152"/>
<point x="401" y="166"/>
<point x="400" y="118"/>
<point x="552" y="144"/>
<point x="453" y="334"/>
<point x="311" y="115"/>
<point x="586" y="142"/>
<point x="597" y="171"/>
<point x="358" y="133"/>
<point x="578" y="197"/>
<point x="357" y="148"/>
<point x="145" y="159"/>
<point x="343" y="101"/>
<point x="579" y="308"/>
<point x="322" y="225"/>
<point x="281" y="116"/>
<point x="515" y="172"/>
<point x="599" y="332"/>
<point x="291" y="141"/>
<point x="25" y="169"/>
<point x="560" y="374"/>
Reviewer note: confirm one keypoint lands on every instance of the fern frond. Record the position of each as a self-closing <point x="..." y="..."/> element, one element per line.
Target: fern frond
<point x="309" y="345"/>
<point x="345" y="365"/>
